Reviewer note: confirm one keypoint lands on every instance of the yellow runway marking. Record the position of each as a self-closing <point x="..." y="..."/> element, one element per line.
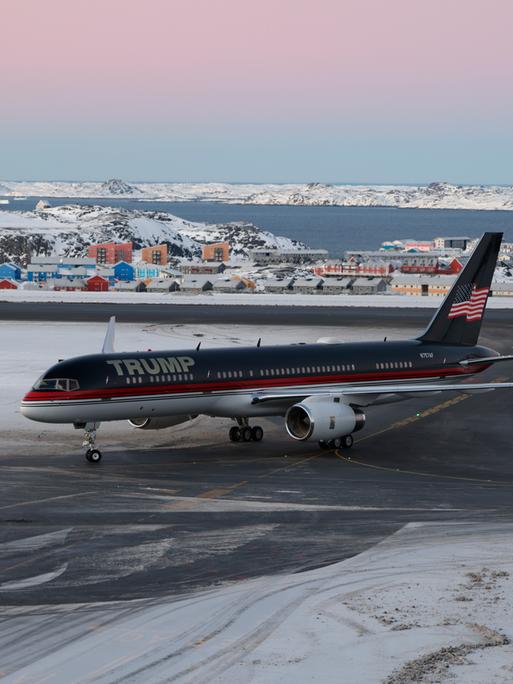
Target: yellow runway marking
<point x="354" y="461"/>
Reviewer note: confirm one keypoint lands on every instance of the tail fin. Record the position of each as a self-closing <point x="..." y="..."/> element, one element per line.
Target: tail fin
<point x="458" y="320"/>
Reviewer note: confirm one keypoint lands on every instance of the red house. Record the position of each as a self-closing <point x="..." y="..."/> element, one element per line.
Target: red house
<point x="97" y="284"/>
<point x="111" y="252"/>
<point x="6" y="284"/>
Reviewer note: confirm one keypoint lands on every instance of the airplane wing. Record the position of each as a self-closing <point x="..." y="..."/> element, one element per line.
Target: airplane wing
<point x="394" y="392"/>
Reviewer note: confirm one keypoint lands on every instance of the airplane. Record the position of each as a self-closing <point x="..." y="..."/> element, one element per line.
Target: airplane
<point x="321" y="390"/>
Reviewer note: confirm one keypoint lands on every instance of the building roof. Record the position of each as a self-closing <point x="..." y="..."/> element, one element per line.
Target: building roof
<point x="8" y="280"/>
<point x="337" y="282"/>
<point x="367" y="282"/>
<point x="195" y="280"/>
<point x="228" y="284"/>
<point x="64" y="282"/>
<point x="307" y="282"/>
<point x="278" y="282"/>
<point x="422" y="279"/>
<point x="74" y="261"/>
<point x="42" y="268"/>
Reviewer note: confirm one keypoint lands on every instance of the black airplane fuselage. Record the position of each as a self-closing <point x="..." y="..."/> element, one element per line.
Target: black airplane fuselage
<point x="127" y="379"/>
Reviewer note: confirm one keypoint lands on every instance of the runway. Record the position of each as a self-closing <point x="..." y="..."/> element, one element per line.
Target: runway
<point x="168" y="513"/>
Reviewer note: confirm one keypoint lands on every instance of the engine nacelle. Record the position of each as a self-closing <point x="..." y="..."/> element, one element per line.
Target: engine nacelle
<point x="158" y="423"/>
<point x="322" y="418"/>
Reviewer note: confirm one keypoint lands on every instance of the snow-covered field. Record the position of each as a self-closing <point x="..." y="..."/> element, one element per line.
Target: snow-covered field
<point x="241" y="299"/>
<point x="439" y="195"/>
<point x="418" y="607"/>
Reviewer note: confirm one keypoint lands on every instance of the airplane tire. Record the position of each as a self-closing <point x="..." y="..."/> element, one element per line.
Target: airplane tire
<point x="323" y="444"/>
<point x="234" y="434"/>
<point x="94" y="456"/>
<point x="337" y="442"/>
<point x="257" y="433"/>
<point x="246" y="434"/>
<point x="347" y="441"/>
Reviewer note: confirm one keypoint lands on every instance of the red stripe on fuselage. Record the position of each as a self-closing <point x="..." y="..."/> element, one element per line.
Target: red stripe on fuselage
<point x="253" y="383"/>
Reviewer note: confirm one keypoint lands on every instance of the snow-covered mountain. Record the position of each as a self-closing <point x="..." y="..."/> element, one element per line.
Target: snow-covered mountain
<point x="69" y="230"/>
<point x="434" y="195"/>
<point x="116" y="186"/>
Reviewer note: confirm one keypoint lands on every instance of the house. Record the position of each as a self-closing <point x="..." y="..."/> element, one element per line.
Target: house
<point x="111" y="252"/>
<point x="74" y="272"/>
<point x="194" y="284"/>
<point x="438" y="285"/>
<point x="307" y="285"/>
<point x="229" y="285"/>
<point x="41" y="273"/>
<point x="133" y="286"/>
<point x="107" y="273"/>
<point x="10" y="271"/>
<point x="209" y="268"/>
<point x="65" y="284"/>
<point x="278" y="285"/>
<point x="503" y="289"/>
<point x="155" y="255"/>
<point x="144" y="271"/>
<point x="162" y="285"/>
<point x="364" y="286"/>
<point x="216" y="251"/>
<point x="97" y="283"/>
<point x="64" y="261"/>
<point x="268" y="255"/>
<point x="6" y="284"/>
<point x="123" y="271"/>
<point x="332" y="286"/>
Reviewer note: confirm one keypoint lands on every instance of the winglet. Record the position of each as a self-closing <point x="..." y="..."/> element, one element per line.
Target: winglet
<point x="108" y="342"/>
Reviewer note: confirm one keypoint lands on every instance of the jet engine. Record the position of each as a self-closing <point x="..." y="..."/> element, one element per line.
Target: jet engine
<point x="158" y="423"/>
<point x="322" y="418"/>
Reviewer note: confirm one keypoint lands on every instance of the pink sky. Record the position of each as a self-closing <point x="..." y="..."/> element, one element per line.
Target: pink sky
<point x="196" y="61"/>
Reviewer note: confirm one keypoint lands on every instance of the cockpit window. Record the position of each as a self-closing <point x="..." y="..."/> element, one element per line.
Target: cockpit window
<point x="62" y="384"/>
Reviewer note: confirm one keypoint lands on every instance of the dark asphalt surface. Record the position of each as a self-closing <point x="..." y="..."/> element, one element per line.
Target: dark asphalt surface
<point x="165" y="514"/>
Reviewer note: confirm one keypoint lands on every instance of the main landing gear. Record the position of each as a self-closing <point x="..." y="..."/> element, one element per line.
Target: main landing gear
<point x="245" y="433"/>
<point x="345" y="442"/>
<point x="92" y="454"/>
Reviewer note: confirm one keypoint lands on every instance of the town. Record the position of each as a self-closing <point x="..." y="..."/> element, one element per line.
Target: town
<point x="404" y="267"/>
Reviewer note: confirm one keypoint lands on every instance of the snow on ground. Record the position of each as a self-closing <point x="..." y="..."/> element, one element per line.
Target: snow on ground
<point x="240" y="299"/>
<point x="435" y="195"/>
<point x="421" y="606"/>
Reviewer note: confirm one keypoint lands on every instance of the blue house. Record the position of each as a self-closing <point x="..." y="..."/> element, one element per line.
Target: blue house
<point x="10" y="271"/>
<point x="124" y="271"/>
<point x="40" y="273"/>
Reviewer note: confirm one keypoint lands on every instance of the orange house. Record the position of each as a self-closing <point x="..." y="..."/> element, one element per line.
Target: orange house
<point x="216" y="251"/>
<point x="155" y="255"/>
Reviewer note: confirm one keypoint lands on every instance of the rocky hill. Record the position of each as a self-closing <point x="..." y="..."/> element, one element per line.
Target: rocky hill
<point x="69" y="230"/>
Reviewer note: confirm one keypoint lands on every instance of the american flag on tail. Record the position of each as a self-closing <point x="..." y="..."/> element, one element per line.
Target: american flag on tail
<point x="469" y="301"/>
